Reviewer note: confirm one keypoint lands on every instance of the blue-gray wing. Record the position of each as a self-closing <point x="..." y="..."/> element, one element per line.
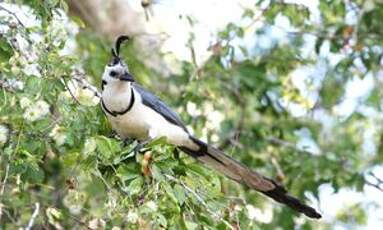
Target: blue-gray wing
<point x="159" y="106"/>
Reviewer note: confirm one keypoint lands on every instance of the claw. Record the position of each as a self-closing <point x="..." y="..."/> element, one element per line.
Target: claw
<point x="127" y="141"/>
<point x="140" y="147"/>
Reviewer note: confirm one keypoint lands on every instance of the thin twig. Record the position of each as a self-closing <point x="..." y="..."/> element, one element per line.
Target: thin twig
<point x="79" y="221"/>
<point x="194" y="61"/>
<point x="13" y="14"/>
<point x="233" y="138"/>
<point x="70" y="92"/>
<point x="80" y="78"/>
<point x="278" y="141"/>
<point x="380" y="181"/>
<point x="98" y="174"/>
<point x="3" y="210"/>
<point x="286" y="144"/>
<point x="7" y="167"/>
<point x="19" y="22"/>
<point x="4" y="180"/>
<point x="377" y="186"/>
<point x="34" y="215"/>
<point x="263" y="11"/>
<point x="280" y="174"/>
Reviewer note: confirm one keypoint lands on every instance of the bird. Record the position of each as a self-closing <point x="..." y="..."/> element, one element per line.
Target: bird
<point x="136" y="113"/>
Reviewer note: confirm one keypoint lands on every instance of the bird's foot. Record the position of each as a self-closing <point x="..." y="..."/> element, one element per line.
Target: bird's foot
<point x="127" y="141"/>
<point x="176" y="154"/>
<point x="141" y="147"/>
<point x="113" y="134"/>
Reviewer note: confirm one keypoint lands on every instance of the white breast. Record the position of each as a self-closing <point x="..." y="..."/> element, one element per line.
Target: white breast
<point x="141" y="122"/>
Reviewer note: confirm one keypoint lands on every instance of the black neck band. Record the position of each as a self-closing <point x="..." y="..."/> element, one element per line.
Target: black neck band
<point x="115" y="113"/>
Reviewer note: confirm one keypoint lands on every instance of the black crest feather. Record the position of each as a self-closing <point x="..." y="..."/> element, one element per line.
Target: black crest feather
<point x="119" y="41"/>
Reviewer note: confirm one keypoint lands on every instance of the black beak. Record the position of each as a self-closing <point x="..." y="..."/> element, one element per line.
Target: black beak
<point x="126" y="77"/>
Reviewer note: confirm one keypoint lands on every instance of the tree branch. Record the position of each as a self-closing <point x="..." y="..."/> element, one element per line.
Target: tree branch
<point x="13" y="14"/>
<point x="34" y="215"/>
<point x="377" y="186"/>
<point x="233" y="138"/>
<point x="79" y="77"/>
<point x="379" y="182"/>
<point x="280" y="142"/>
<point x="4" y="180"/>
<point x="70" y="92"/>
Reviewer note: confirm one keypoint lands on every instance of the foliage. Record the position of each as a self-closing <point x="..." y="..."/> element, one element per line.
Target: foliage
<point x="61" y="154"/>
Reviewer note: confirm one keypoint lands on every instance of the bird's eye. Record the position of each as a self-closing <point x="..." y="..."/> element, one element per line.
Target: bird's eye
<point x="113" y="73"/>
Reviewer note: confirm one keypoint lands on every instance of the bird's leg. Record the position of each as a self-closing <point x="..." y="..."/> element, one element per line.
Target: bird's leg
<point x="113" y="134"/>
<point x="176" y="153"/>
<point x="152" y="134"/>
<point x="140" y="147"/>
<point x="127" y="141"/>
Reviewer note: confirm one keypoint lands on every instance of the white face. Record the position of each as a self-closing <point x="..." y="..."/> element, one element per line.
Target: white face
<point x="112" y="73"/>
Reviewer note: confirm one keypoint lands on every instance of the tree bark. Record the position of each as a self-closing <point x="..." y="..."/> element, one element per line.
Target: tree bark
<point x="109" y="18"/>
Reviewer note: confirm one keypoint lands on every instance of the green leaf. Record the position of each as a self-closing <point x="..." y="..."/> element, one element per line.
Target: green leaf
<point x="248" y="13"/>
<point x="79" y="22"/>
<point x="157" y="174"/>
<point x="6" y="51"/>
<point x="107" y="148"/>
<point x="169" y="192"/>
<point x="161" y="220"/>
<point x="33" y="174"/>
<point x="103" y="145"/>
<point x="191" y="225"/>
<point x="297" y="14"/>
<point x="129" y="171"/>
<point x="135" y="186"/>
<point x="199" y="169"/>
<point x="179" y="193"/>
<point x="272" y="12"/>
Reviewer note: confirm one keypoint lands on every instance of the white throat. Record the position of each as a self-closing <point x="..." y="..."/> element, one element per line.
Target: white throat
<point x="117" y="95"/>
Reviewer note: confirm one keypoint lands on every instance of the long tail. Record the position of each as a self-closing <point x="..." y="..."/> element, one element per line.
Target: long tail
<point x="233" y="169"/>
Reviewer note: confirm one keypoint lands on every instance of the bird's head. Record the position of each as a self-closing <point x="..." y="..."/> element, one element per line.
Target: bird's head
<point x="117" y="70"/>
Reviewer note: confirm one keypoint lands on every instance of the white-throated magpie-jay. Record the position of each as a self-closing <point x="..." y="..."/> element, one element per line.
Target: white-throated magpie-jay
<point x="136" y="113"/>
